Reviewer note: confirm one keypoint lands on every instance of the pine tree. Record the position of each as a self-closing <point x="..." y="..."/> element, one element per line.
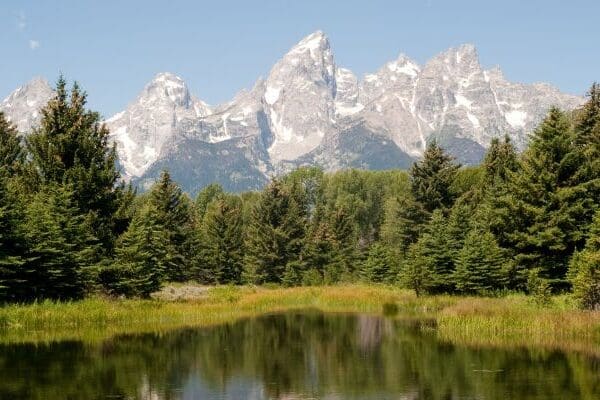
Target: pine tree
<point x="142" y="257"/>
<point x="71" y="147"/>
<point x="319" y="256"/>
<point x="11" y="244"/>
<point x="460" y="222"/>
<point x="379" y="267"/>
<point x="584" y="270"/>
<point x="275" y="235"/>
<point x="223" y="241"/>
<point x="175" y="214"/>
<point x="499" y="161"/>
<point x="540" y="216"/>
<point x="403" y="222"/>
<point x="479" y="265"/>
<point x="207" y="196"/>
<point x="60" y="252"/>
<point x="432" y="177"/>
<point x="587" y="120"/>
<point x="345" y="255"/>
<point x="415" y="272"/>
<point x="437" y="253"/>
<point x="11" y="151"/>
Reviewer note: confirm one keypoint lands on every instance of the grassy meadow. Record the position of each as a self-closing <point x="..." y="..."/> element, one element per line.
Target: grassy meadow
<point x="513" y="320"/>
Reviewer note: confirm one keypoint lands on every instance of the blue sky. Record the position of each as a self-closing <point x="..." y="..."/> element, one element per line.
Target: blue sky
<point x="113" y="48"/>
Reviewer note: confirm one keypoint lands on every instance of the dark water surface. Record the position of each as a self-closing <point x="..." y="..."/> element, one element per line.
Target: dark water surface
<point x="306" y="355"/>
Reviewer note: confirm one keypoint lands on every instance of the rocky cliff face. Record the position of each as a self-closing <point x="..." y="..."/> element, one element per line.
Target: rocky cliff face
<point x="309" y="111"/>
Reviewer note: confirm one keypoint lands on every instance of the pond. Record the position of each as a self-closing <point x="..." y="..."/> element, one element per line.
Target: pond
<point x="299" y="355"/>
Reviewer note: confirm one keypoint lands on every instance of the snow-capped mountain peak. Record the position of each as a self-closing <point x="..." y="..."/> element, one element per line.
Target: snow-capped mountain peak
<point x="151" y="122"/>
<point x="309" y="111"/>
<point x="299" y="97"/>
<point x="22" y="107"/>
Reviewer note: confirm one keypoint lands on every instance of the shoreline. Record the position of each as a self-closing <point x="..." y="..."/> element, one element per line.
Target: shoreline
<point x="510" y="321"/>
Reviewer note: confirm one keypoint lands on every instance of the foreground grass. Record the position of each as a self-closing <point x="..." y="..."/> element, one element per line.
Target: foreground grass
<point x="508" y="321"/>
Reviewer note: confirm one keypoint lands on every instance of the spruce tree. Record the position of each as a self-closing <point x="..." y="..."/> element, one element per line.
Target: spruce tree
<point x="345" y="254"/>
<point x="319" y="257"/>
<point x="587" y="120"/>
<point x="11" y="244"/>
<point x="11" y="215"/>
<point x="500" y="160"/>
<point x="60" y="254"/>
<point x="142" y="257"/>
<point x="206" y="196"/>
<point x="11" y="150"/>
<point x="540" y="215"/>
<point x="223" y="241"/>
<point x="432" y="177"/>
<point x="460" y="221"/>
<point x="437" y="253"/>
<point x="479" y="264"/>
<point x="175" y="214"/>
<point x="71" y="147"/>
<point x="403" y="222"/>
<point x="584" y="270"/>
<point x="275" y="235"/>
<point x="379" y="267"/>
<point x="416" y="272"/>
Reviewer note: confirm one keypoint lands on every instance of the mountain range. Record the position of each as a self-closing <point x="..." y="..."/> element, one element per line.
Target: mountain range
<point x="310" y="111"/>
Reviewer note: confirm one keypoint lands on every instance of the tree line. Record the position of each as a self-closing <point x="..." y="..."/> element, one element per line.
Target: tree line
<point x="526" y="221"/>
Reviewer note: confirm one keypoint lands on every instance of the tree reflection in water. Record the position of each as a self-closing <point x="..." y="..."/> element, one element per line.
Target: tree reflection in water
<point x="292" y="356"/>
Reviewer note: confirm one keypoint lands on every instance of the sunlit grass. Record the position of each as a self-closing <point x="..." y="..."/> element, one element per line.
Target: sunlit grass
<point x="514" y="320"/>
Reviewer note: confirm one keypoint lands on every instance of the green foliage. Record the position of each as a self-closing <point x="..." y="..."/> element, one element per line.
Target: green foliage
<point x="11" y="244"/>
<point x="544" y="208"/>
<point x="143" y="256"/>
<point x="538" y="287"/>
<point x="416" y="273"/>
<point x="584" y="270"/>
<point x="175" y="215"/>
<point x="71" y="147"/>
<point x="500" y="160"/>
<point x="275" y="234"/>
<point x="435" y="251"/>
<point x="403" y="222"/>
<point x="379" y="267"/>
<point x="207" y="196"/>
<point x="12" y="155"/>
<point x="585" y="278"/>
<point x="432" y="177"/>
<point x="60" y="253"/>
<point x="479" y="264"/>
<point x="222" y="244"/>
<point x="68" y="224"/>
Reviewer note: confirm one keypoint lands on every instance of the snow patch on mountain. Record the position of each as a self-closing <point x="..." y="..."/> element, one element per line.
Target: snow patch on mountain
<point x="311" y="111"/>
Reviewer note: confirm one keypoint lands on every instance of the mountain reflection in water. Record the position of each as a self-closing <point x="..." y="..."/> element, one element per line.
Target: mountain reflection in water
<point x="299" y="355"/>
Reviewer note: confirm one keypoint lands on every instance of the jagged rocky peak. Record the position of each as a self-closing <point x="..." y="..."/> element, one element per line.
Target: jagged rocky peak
<point x="398" y="76"/>
<point x="310" y="111"/>
<point x="299" y="97"/>
<point x="170" y="88"/>
<point x="22" y="107"/>
<point x="162" y="112"/>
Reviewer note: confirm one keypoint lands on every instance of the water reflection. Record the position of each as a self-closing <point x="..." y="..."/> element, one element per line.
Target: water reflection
<point x="292" y="356"/>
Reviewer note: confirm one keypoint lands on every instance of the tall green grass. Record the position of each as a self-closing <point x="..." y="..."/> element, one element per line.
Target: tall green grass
<point x="514" y="320"/>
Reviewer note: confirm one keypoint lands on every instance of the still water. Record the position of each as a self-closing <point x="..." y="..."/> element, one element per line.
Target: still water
<point x="307" y="355"/>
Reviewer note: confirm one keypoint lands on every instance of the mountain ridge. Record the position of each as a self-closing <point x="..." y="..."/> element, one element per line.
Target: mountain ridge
<point x="311" y="111"/>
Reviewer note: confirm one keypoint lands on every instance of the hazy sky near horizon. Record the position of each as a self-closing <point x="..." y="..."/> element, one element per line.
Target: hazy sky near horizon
<point x="113" y="48"/>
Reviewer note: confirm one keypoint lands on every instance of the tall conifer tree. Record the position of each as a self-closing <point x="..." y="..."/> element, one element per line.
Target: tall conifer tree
<point x="71" y="147"/>
<point x="432" y="177"/>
